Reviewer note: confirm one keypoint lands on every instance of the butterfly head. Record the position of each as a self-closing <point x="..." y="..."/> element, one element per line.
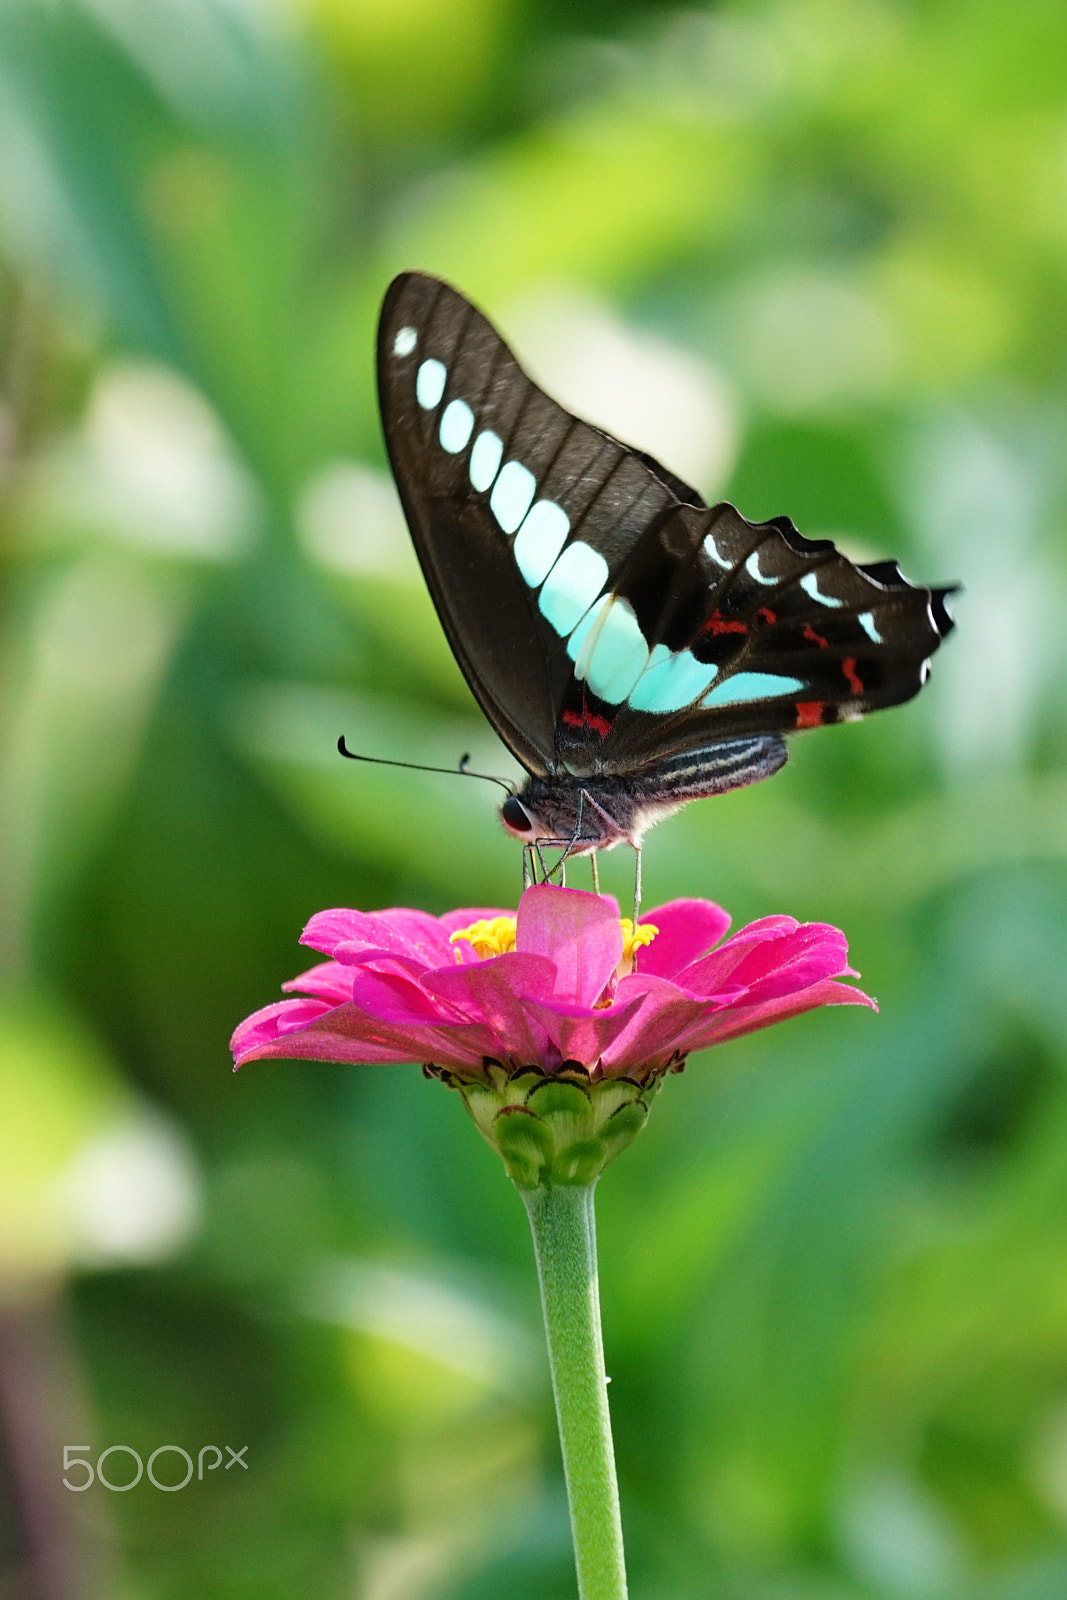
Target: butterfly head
<point x="517" y="820"/>
<point x="567" y="811"/>
<point x="584" y="814"/>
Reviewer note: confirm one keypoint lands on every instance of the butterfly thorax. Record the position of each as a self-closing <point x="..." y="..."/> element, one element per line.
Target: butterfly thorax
<point x="597" y="813"/>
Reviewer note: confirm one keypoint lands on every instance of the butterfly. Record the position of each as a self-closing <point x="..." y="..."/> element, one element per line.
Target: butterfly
<point x="632" y="646"/>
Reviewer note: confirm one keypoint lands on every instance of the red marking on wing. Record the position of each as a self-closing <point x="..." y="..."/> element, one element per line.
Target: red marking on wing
<point x="855" y="682"/>
<point x="767" y="614"/>
<point x="720" y="624"/>
<point x="816" y="638"/>
<point x="809" y="713"/>
<point x="588" y="719"/>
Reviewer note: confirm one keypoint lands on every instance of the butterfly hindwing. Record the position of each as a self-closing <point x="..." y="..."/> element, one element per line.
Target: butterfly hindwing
<point x="604" y="617"/>
<point x="775" y="632"/>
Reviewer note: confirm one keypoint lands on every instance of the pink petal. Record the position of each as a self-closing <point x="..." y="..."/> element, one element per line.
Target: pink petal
<point x="816" y="951"/>
<point x="736" y="1020"/>
<point x="708" y="975"/>
<point x="350" y="935"/>
<point x="271" y="1022"/>
<point x="460" y="1045"/>
<point x="579" y="932"/>
<point x="328" y="981"/>
<point x="347" y="1034"/>
<point x="341" y="926"/>
<point x="687" y="930"/>
<point x="489" y="992"/>
<point x="425" y="936"/>
<point x="663" y="1017"/>
<point x="384" y="961"/>
<point x="389" y="997"/>
<point x="580" y="1034"/>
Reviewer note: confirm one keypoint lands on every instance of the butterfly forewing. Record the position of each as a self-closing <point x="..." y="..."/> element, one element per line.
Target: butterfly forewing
<point x="605" y="618"/>
<point x="498" y="482"/>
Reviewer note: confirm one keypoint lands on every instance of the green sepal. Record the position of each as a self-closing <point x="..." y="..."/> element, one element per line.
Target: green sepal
<point x="579" y="1162"/>
<point x="566" y="1107"/>
<point x="484" y="1106"/>
<point x="622" y="1127"/>
<point x="525" y="1143"/>
<point x="611" y="1093"/>
<point x="559" y="1128"/>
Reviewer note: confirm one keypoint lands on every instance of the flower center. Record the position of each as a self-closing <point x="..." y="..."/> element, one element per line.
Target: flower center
<point x="633" y="940"/>
<point x="490" y="936"/>
<point x="495" y="936"/>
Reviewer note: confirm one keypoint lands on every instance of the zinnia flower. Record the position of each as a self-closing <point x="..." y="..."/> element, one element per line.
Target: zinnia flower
<point x="556" y="1025"/>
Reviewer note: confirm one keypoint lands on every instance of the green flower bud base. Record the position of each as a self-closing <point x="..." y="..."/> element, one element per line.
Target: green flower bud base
<point x="562" y="1129"/>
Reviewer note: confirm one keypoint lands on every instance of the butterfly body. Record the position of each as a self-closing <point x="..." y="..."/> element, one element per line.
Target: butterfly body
<point x="600" y="812"/>
<point x="633" y="647"/>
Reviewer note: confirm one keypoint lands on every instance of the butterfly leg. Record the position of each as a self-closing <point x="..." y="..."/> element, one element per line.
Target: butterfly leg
<point x="568" y="844"/>
<point x="595" y="871"/>
<point x="637" y="884"/>
<point x="537" y="849"/>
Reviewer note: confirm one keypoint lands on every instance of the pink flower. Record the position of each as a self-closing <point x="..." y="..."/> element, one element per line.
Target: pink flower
<point x="563" y="988"/>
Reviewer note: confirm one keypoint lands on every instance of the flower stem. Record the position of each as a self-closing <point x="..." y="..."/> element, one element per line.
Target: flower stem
<point x="564" y="1232"/>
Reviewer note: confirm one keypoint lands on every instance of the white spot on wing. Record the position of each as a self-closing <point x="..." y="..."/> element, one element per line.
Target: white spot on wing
<point x="711" y="550"/>
<point x="752" y="567"/>
<point x="671" y="681"/>
<point x="608" y="648"/>
<point x="511" y="496"/>
<point x="405" y="342"/>
<point x="540" y="540"/>
<point x="810" y="585"/>
<point x="430" y="384"/>
<point x="485" y="460"/>
<point x="571" y="587"/>
<point x="457" y="423"/>
<point x="745" y="686"/>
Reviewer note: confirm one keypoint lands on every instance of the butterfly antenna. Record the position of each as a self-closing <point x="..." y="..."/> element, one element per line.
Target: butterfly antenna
<point x="466" y="772"/>
<point x="460" y="771"/>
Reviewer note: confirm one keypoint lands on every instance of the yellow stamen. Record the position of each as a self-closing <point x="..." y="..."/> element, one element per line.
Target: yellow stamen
<point x="634" y="939"/>
<point x="490" y="936"/>
<point x="495" y="936"/>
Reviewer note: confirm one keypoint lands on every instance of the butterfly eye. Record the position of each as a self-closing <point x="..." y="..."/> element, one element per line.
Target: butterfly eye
<point x="516" y="816"/>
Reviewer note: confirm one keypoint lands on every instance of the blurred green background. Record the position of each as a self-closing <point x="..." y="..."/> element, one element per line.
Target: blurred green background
<point x="812" y="253"/>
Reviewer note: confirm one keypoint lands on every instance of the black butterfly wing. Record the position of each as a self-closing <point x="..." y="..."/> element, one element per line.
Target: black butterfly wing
<point x="473" y="445"/>
<point x="754" y="629"/>
<point x="604" y="617"/>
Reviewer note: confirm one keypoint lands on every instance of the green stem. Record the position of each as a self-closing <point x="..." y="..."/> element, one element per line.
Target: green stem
<point x="564" y="1232"/>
